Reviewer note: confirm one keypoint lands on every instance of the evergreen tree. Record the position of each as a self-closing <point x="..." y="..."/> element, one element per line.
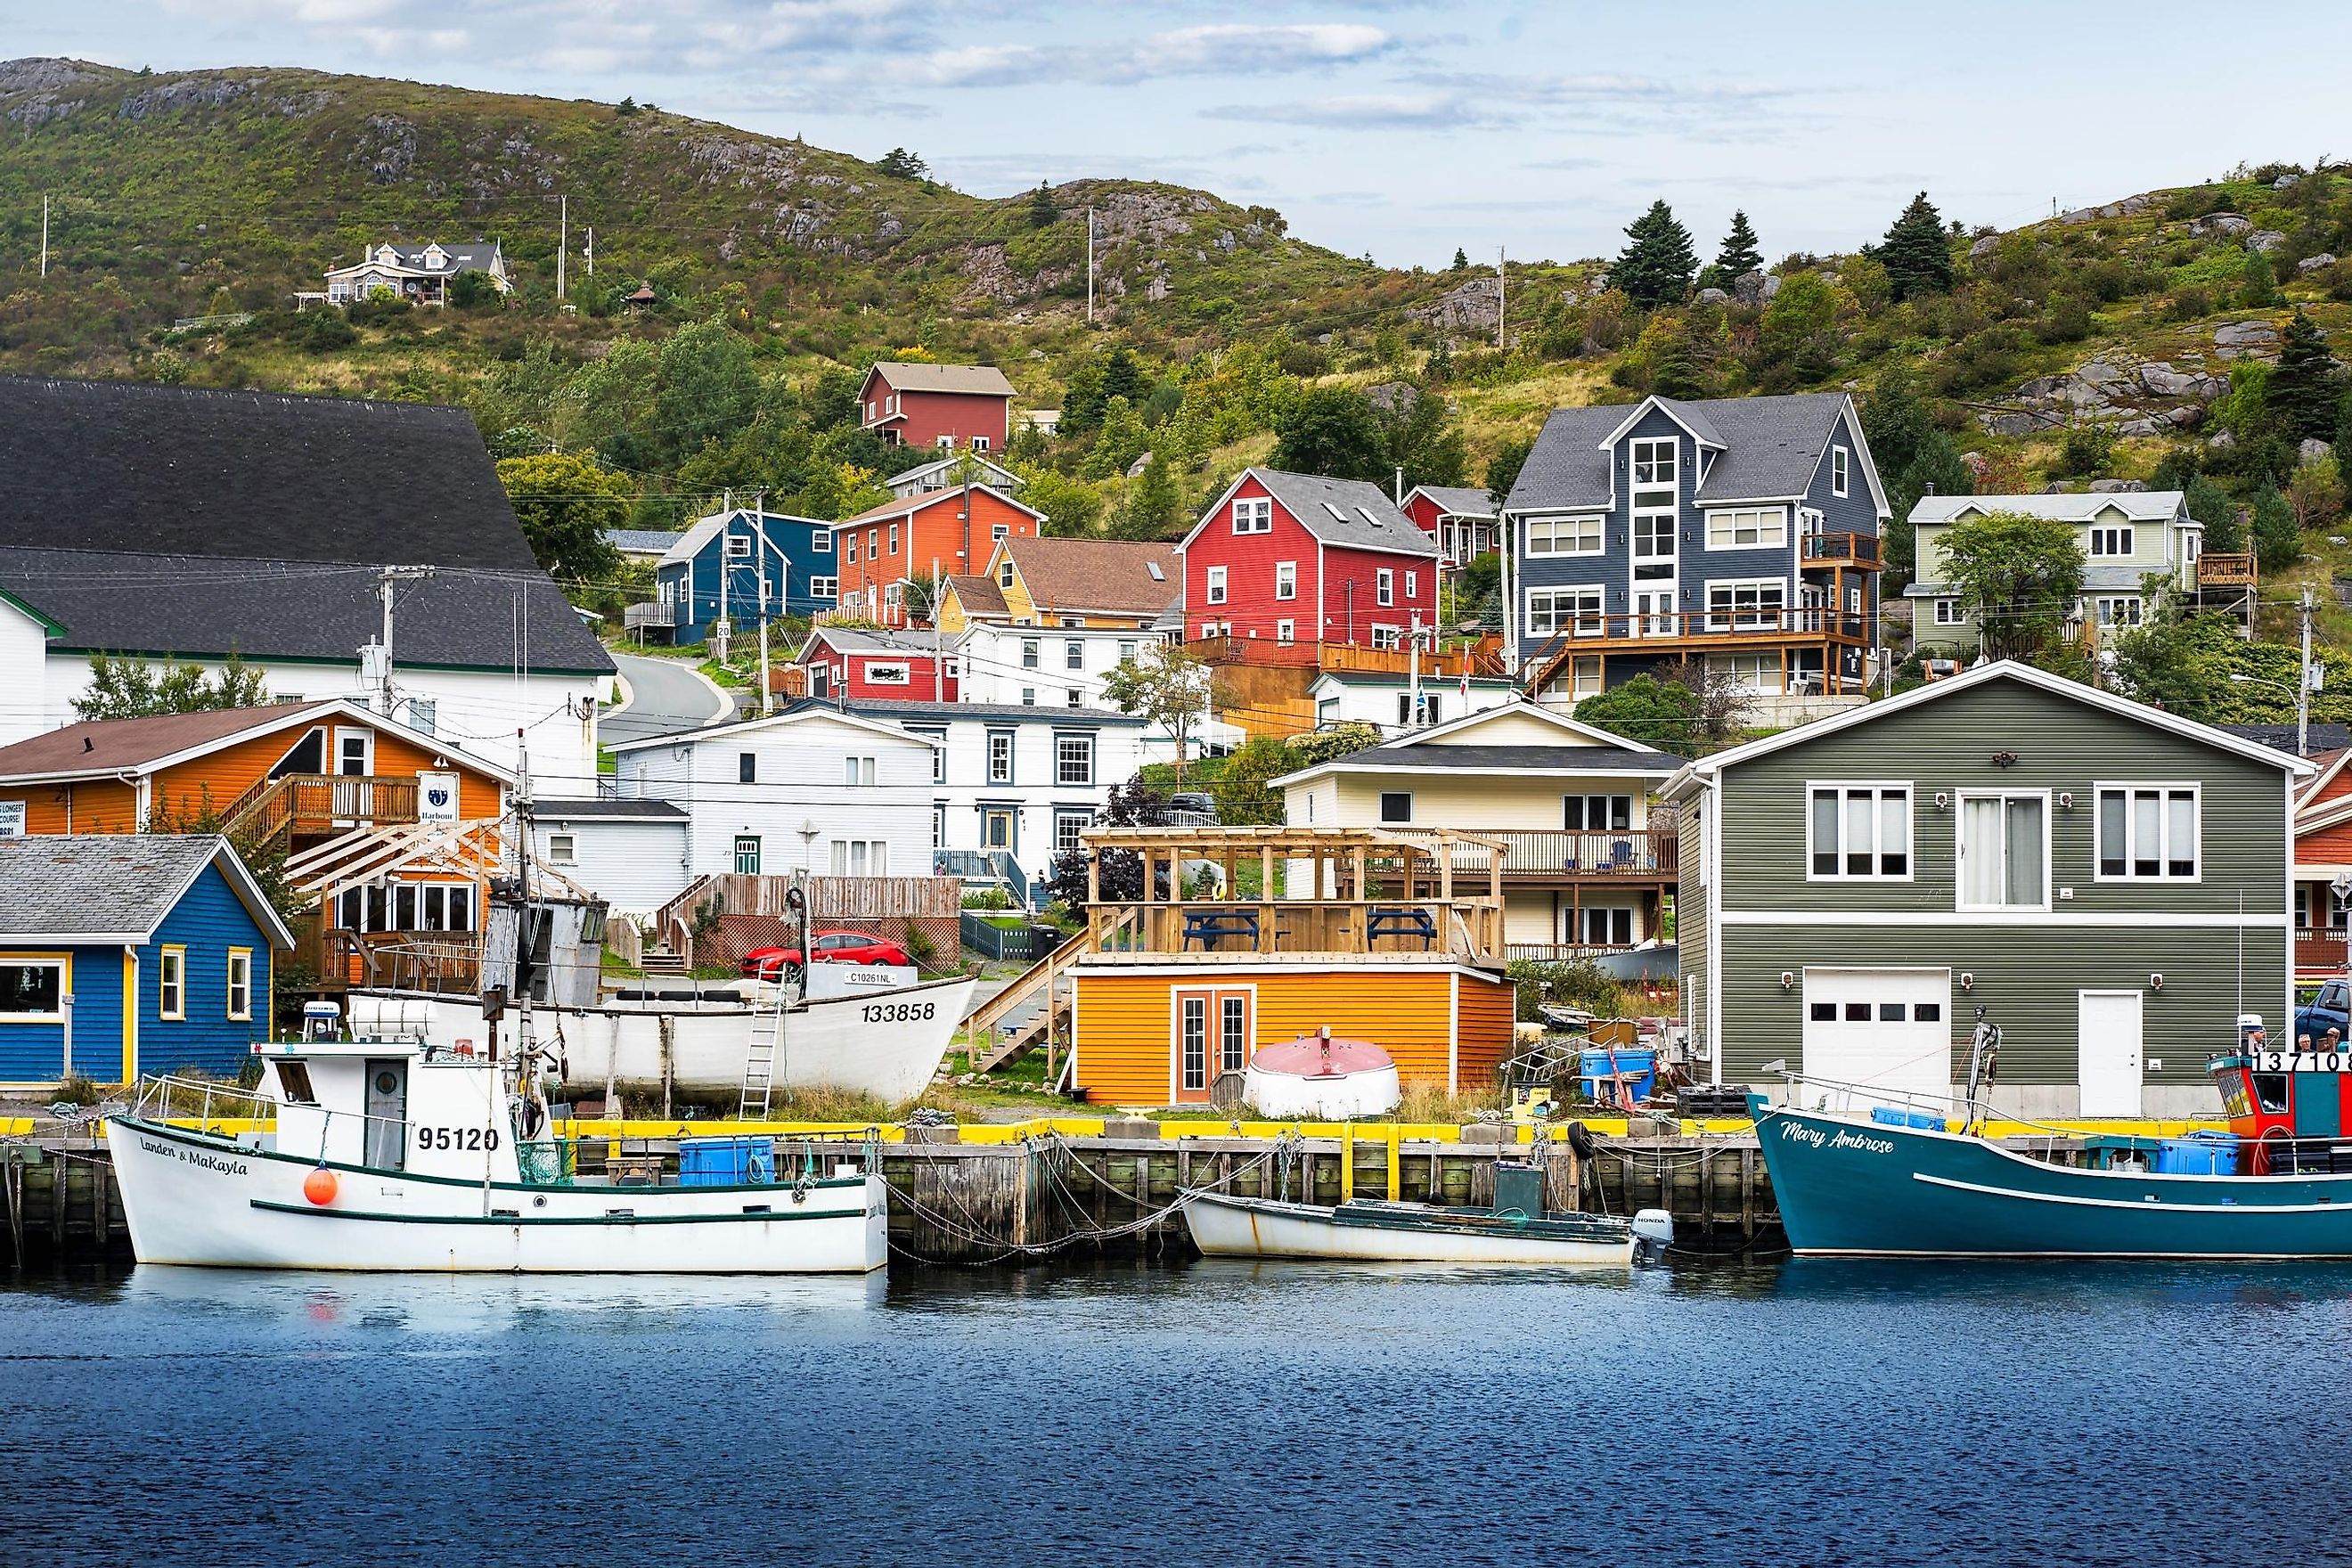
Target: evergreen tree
<point x="1656" y="265"/>
<point x="2261" y="283"/>
<point x="2278" y="542"/>
<point x="1917" y="254"/>
<point x="1042" y="213"/>
<point x="1681" y="369"/>
<point x="2209" y="504"/>
<point x="2303" y="396"/>
<point x="1461" y="259"/>
<point x="1738" y="254"/>
<point x="1333" y="431"/>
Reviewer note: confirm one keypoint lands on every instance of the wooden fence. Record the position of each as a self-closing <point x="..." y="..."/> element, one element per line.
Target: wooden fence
<point x="894" y="906"/>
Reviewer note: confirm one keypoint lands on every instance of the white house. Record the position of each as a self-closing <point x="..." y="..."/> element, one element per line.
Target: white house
<point x="811" y="789"/>
<point x="1040" y="666"/>
<point x="631" y="853"/>
<point x="1387" y="702"/>
<point x="417" y="272"/>
<point x="1020" y="780"/>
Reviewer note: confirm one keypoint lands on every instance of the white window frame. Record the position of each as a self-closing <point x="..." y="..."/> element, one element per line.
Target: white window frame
<point x="1213" y="584"/>
<point x="857" y="771"/>
<point x="998" y="532"/>
<point x="1074" y="654"/>
<point x="1758" y="616"/>
<point x="2119" y="609"/>
<point x="1840" y="470"/>
<point x="1285" y="579"/>
<point x="1380" y="807"/>
<point x="63" y="966"/>
<point x="2164" y="790"/>
<point x="1285" y="632"/>
<point x="980" y="443"/>
<point x="738" y="546"/>
<point x="820" y="542"/>
<point x="1387" y="638"/>
<point x="1586" y="606"/>
<point x="1033" y="653"/>
<point x="1578" y="535"/>
<point x="824" y="588"/>
<point x="1948" y="612"/>
<point x="1412" y="583"/>
<point x="1960" y="799"/>
<point x="1384" y="587"/>
<point x="1064" y="757"/>
<point x="989" y="751"/>
<point x="237" y="989"/>
<point x="2111" y="535"/>
<point x="563" y="849"/>
<point x="1766" y="527"/>
<point x="1254" y="514"/>
<point x="1661" y="454"/>
<point x="1879" y="789"/>
<point x="894" y="539"/>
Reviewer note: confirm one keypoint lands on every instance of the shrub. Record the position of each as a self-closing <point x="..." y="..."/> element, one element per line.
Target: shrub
<point x="2067" y="321"/>
<point x="324" y="331"/>
<point x="2188" y="303"/>
<point x="2087" y="451"/>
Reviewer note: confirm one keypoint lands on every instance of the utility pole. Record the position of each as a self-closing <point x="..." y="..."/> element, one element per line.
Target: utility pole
<point x="591" y="252"/>
<point x="939" y="663"/>
<point x="562" y="240"/>
<point x="759" y="532"/>
<point x="1412" y="704"/>
<point x="1502" y="281"/>
<point x="2303" y="686"/>
<point x="387" y="578"/>
<point x="719" y="628"/>
<point x="1090" y="263"/>
<point x="45" y="234"/>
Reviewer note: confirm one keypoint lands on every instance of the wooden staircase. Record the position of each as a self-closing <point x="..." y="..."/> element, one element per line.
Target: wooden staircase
<point x="1035" y="988"/>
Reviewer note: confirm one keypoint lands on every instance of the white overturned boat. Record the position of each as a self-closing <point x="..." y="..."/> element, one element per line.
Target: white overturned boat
<point x="888" y="1043"/>
<point x="1370" y="1230"/>
<point x="397" y="1156"/>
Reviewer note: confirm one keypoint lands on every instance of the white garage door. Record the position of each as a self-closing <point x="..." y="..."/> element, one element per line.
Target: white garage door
<point x="1887" y="1029"/>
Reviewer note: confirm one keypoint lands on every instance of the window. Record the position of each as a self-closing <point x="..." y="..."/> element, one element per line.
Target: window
<point x="1030" y="649"/>
<point x="874" y="543"/>
<point x="894" y="539"/>
<point x="2118" y="609"/>
<point x="2111" y="541"/>
<point x="738" y="545"/>
<point x="1748" y="529"/>
<point x="1412" y="583"/>
<point x="1654" y="546"/>
<point x="1654" y="462"/>
<point x="1126" y="651"/>
<point x="861" y="858"/>
<point x="1840" y="461"/>
<point x="1074" y="654"/>
<point x="2005" y="858"/>
<point x="1028" y="697"/>
<point x="820" y="541"/>
<point x="1071" y="621"/>
<point x="1385" y="587"/>
<point x="1564" y="536"/>
<point x="1749" y="671"/>
<point x="1254" y="515"/>
<point x="1067" y="826"/>
<point x="1285" y="631"/>
<point x="997" y="533"/>
<point x="563" y="849"/>
<point x="747" y="767"/>
<point x="1388" y="637"/>
<point x="1603" y="928"/>
<point x="1070" y="696"/>
<point x="850" y="555"/>
<point x="1396" y="806"/>
<point x="2147" y="833"/>
<point x="1947" y="612"/>
<point x="1005" y="576"/>
<point x="1556" y="609"/>
<point x="172" y="983"/>
<point x="1073" y="759"/>
<point x="944" y="443"/>
<point x="240" y="984"/>
<point x="1216" y="584"/>
<point x="1428" y="714"/>
<point x="856" y="771"/>
<point x="747" y="853"/>
<point x="938" y="752"/>
<point x="1597" y="813"/>
<point x="980" y="443"/>
<point x="824" y="588"/>
<point x="1000" y="750"/>
<point x="32" y="990"/>
<point x="1856" y="831"/>
<point x="1285" y="579"/>
<point x="939" y="828"/>
<point x="1745" y="606"/>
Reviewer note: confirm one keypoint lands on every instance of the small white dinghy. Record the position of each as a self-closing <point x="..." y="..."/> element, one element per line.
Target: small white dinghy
<point x="400" y="1155"/>
<point x="1368" y="1231"/>
<point x="1317" y="1078"/>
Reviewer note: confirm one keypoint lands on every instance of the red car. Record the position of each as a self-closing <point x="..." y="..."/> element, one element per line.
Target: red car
<point x="832" y="947"/>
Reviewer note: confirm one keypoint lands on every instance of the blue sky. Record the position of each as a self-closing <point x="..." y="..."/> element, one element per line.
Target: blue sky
<point x="1393" y="128"/>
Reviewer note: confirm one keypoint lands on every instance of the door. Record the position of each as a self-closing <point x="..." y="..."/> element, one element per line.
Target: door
<point x="385" y="1146"/>
<point x="1883" y="1030"/>
<point x="996" y="830"/>
<point x="1213" y="1034"/>
<point x="355" y="765"/>
<point x="2107" y="1052"/>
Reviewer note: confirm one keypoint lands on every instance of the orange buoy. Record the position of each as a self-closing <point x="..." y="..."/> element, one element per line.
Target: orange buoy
<point x="318" y="1186"/>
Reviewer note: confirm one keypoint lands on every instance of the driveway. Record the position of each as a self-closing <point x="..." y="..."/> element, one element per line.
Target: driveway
<point x="665" y="695"/>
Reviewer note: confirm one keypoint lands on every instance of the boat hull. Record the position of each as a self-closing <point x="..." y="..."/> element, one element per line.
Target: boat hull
<point x="886" y="1043"/>
<point x="1849" y="1187"/>
<point x="190" y="1198"/>
<point x="1229" y="1226"/>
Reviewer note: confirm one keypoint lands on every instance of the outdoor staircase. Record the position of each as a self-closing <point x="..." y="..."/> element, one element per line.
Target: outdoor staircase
<point x="1017" y="1020"/>
<point x="662" y="961"/>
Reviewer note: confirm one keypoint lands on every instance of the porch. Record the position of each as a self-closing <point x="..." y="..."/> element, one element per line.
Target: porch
<point x="1640" y="855"/>
<point x="306" y="805"/>
<point x="2321" y="951"/>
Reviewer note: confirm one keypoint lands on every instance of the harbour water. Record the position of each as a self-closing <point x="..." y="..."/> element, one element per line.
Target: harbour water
<point x="1802" y="1412"/>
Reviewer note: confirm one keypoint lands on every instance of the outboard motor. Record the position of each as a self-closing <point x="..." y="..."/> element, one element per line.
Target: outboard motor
<point x="1653" y="1232"/>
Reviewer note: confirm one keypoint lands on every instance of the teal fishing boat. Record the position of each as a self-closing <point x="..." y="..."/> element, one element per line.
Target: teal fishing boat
<point x="1858" y="1172"/>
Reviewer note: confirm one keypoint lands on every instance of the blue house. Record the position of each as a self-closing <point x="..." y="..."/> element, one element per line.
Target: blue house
<point x="715" y="567"/>
<point x="1740" y="531"/>
<point x="124" y="952"/>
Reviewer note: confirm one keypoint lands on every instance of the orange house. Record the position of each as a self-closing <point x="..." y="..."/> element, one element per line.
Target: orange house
<point x="329" y="783"/>
<point x="943" y="534"/>
<point x="2322" y="856"/>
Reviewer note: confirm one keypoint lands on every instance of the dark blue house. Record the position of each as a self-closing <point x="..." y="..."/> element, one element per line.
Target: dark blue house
<point x="131" y="952"/>
<point x="1742" y="531"/>
<point x="717" y="567"/>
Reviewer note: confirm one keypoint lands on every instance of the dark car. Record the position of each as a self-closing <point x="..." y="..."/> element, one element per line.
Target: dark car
<point x="2325" y="1011"/>
<point x="832" y="947"/>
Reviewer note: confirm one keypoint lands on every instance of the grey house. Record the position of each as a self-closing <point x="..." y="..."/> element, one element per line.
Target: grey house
<point x="1741" y="531"/>
<point x="2107" y="881"/>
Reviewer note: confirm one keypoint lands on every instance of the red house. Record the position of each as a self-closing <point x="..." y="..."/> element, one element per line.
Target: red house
<point x="943" y="406"/>
<point x="947" y="534"/>
<point x="1294" y="558"/>
<point x="1462" y="519"/>
<point x="895" y="667"/>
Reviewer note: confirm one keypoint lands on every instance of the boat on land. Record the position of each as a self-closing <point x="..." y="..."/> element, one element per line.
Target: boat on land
<point x="401" y="1155"/>
<point x="1516" y="1229"/>
<point x="888" y="1041"/>
<point x="1859" y="1172"/>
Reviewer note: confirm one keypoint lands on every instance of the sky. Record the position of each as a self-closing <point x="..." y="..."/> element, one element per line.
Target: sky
<point x="1397" y="128"/>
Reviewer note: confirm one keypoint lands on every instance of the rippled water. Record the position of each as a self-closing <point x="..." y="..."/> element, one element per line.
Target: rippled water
<point x="1216" y="1413"/>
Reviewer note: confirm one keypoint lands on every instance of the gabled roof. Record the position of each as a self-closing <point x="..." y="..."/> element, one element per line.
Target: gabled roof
<point x="808" y="711"/>
<point x="1771" y="448"/>
<point x="1581" y="747"/>
<point x="906" y="506"/>
<point x="911" y="481"/>
<point x="1967" y="680"/>
<point x="1066" y="575"/>
<point x="684" y="547"/>
<point x="478" y="255"/>
<point x="105" y="748"/>
<point x="174" y="470"/>
<point x="115" y="888"/>
<point x="1348" y="512"/>
<point x="979" y="596"/>
<point x="868" y="640"/>
<point x="1455" y="500"/>
<point x="2133" y="506"/>
<point x="640" y="541"/>
<point x="985" y="380"/>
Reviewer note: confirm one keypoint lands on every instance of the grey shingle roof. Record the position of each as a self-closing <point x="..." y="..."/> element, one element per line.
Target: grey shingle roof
<point x="1401" y="754"/>
<point x="1771" y="448"/>
<point x="1311" y="497"/>
<point x="2134" y="506"/>
<point x="640" y="541"/>
<point x="984" y="379"/>
<point x="863" y="639"/>
<point x="546" y="811"/>
<point x="1460" y="500"/>
<point x="106" y="887"/>
<point x="894" y="711"/>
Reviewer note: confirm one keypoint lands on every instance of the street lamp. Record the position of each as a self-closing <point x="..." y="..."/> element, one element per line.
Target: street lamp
<point x="2301" y="704"/>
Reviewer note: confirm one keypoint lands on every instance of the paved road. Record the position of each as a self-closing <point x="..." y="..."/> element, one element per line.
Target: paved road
<point x="667" y="695"/>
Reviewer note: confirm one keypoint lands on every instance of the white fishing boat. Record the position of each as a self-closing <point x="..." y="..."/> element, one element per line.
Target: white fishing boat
<point x="1317" y="1078"/>
<point x="1371" y="1230"/>
<point x="885" y="1043"/>
<point x="392" y="1155"/>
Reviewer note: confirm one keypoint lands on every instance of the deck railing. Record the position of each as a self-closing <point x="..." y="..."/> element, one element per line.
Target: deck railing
<point x="2324" y="949"/>
<point x="2226" y="569"/>
<point x="1230" y="928"/>
<point x="1841" y="549"/>
<point x="316" y="802"/>
<point x="1559" y="852"/>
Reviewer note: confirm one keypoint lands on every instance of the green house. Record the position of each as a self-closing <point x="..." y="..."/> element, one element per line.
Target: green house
<point x="2105" y="883"/>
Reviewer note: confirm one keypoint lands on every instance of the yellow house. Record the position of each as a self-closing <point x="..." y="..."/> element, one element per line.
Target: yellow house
<point x="1102" y="584"/>
<point x="1590" y="860"/>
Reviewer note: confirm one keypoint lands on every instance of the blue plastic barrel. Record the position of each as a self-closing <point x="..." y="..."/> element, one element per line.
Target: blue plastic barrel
<point x="725" y="1162"/>
<point x="2197" y="1155"/>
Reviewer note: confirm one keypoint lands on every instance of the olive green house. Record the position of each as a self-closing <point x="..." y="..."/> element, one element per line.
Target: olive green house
<point x="2105" y="882"/>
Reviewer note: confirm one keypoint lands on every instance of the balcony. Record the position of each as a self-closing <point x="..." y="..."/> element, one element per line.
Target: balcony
<point x="2320" y="950"/>
<point x="2226" y="570"/>
<point x="1859" y="551"/>
<point x="1711" y="628"/>
<point x="304" y="805"/>
<point x="1553" y="855"/>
